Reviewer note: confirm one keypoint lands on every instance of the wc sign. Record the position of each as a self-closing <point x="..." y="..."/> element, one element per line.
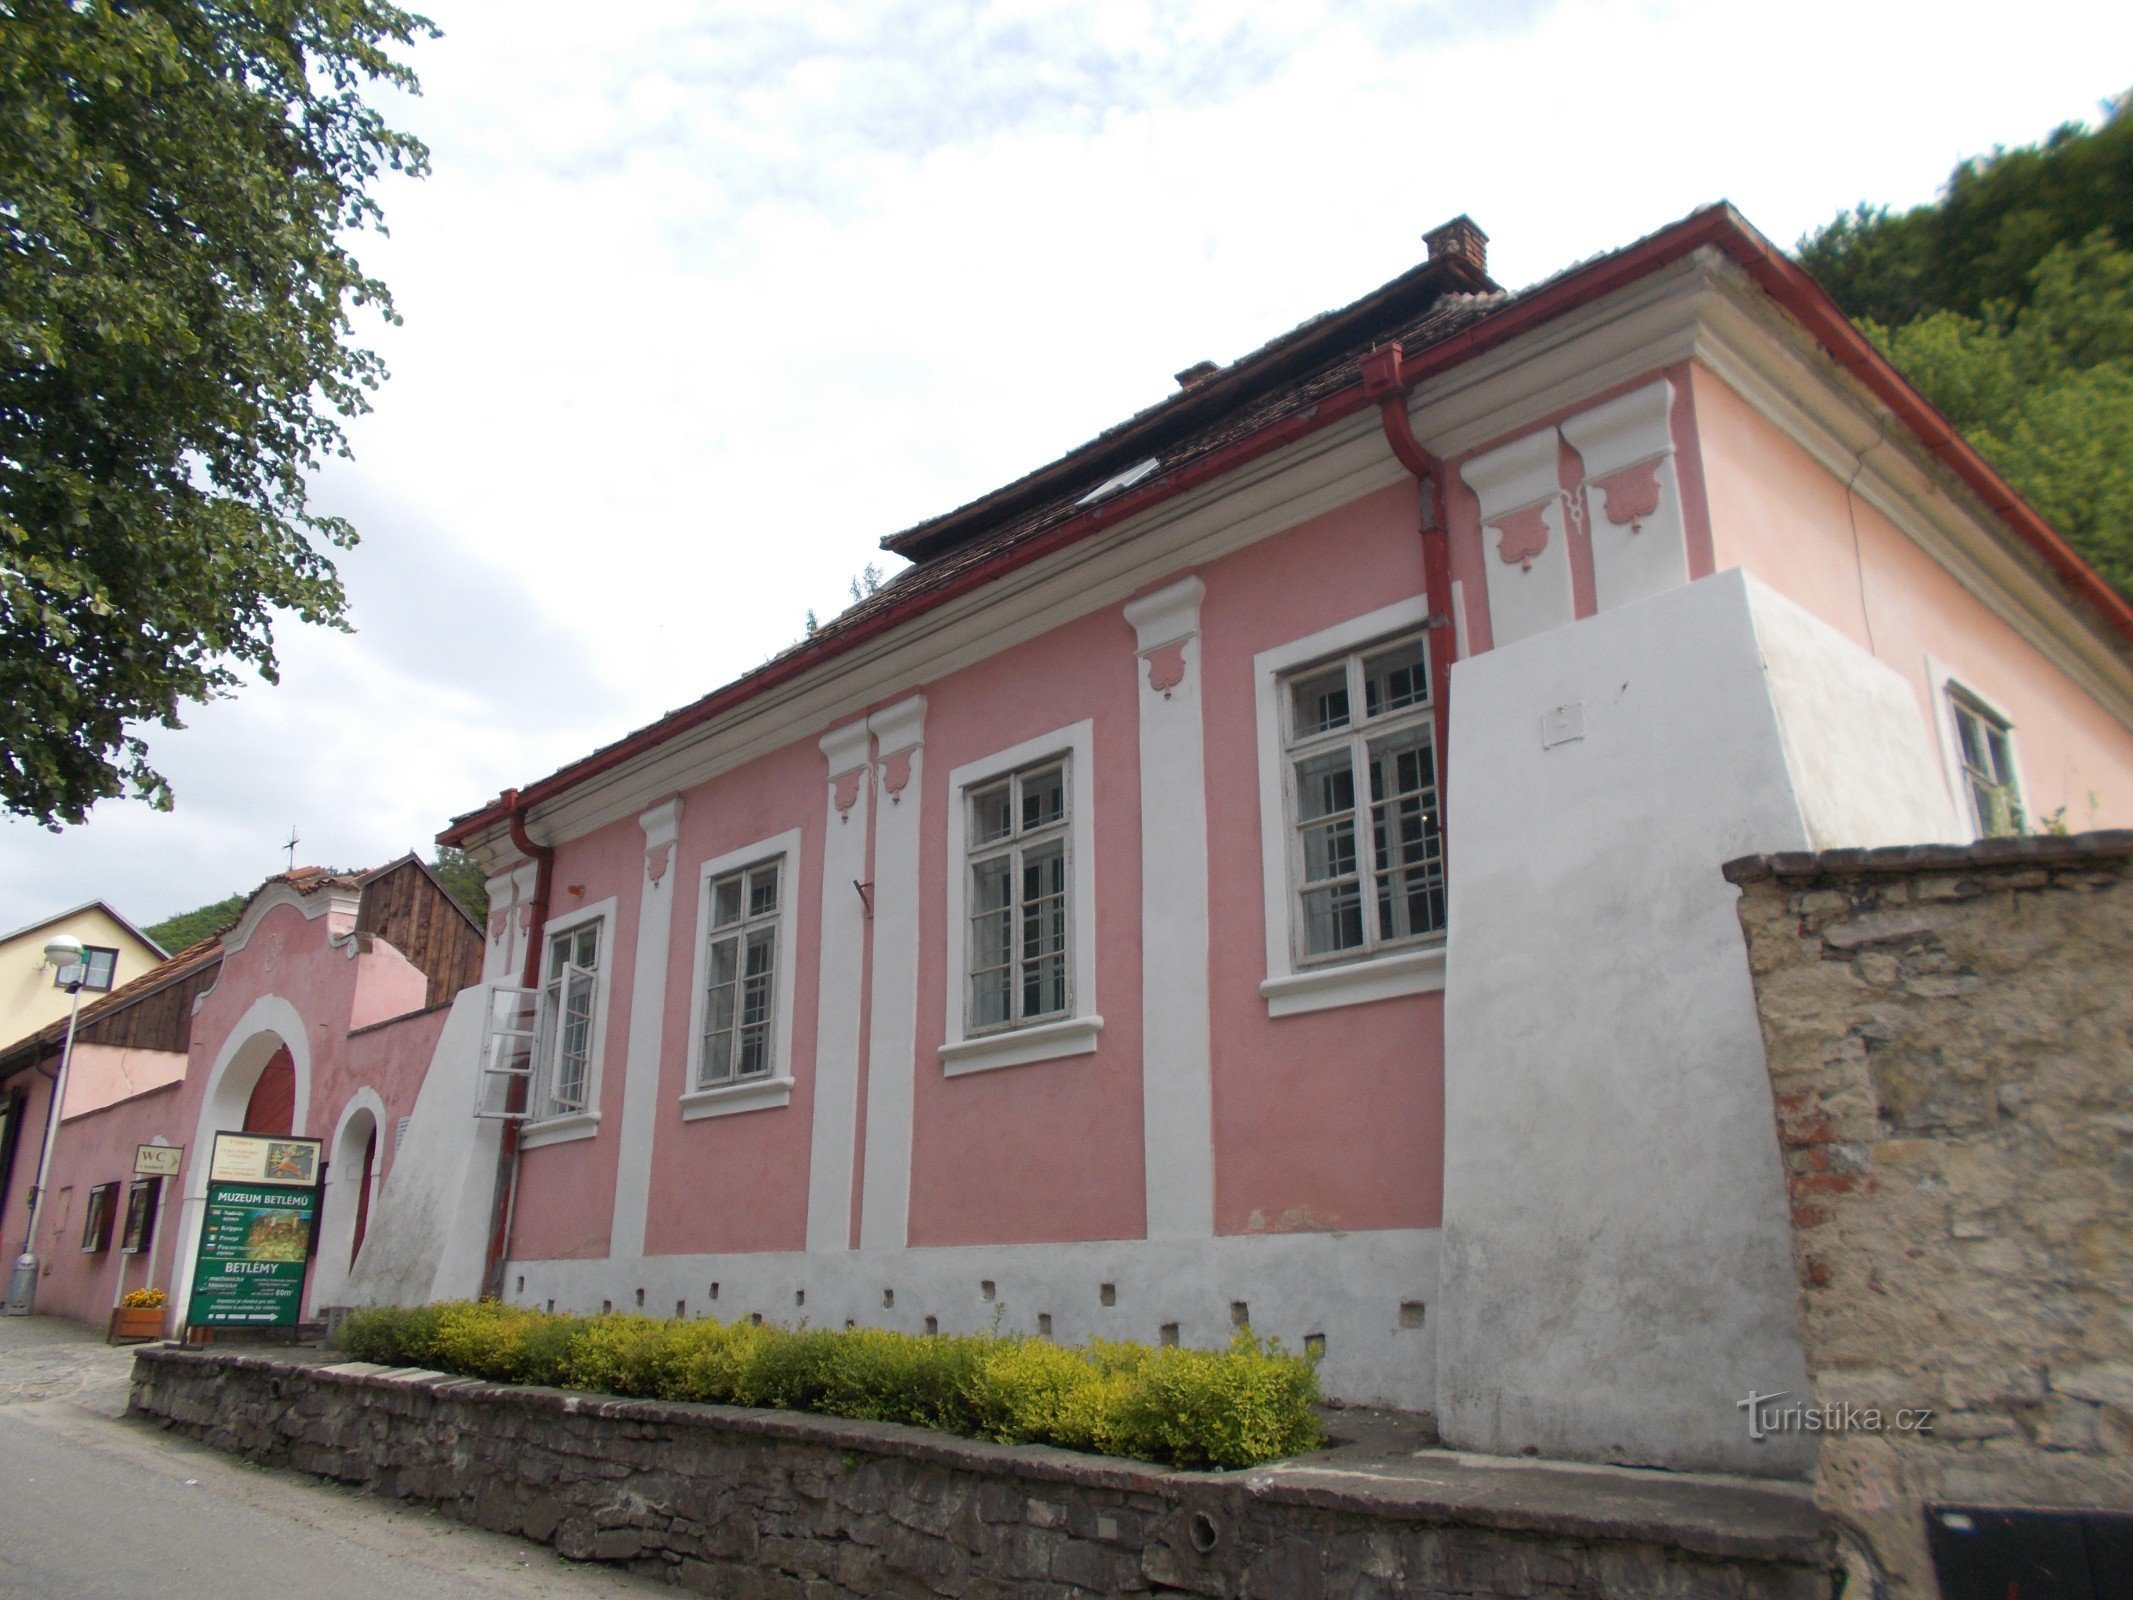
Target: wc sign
<point x="158" y="1160"/>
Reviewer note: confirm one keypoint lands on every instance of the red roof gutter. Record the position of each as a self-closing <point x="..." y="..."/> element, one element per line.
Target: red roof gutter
<point x="1718" y="225"/>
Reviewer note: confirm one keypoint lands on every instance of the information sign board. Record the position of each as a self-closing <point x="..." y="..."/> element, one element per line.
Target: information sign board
<point x="255" y="1236"/>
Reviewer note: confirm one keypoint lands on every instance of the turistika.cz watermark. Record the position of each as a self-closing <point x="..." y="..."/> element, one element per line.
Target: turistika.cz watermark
<point x="1768" y="1414"/>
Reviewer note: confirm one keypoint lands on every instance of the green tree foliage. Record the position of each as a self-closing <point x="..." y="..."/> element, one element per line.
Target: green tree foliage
<point x="2045" y="392"/>
<point x="177" y="179"/>
<point x="2010" y="306"/>
<point x="1981" y="241"/>
<point x="463" y="878"/>
<point x="190" y="927"/>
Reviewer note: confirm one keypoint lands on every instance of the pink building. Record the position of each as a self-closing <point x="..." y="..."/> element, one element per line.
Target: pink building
<point x="318" y="1013"/>
<point x="1264" y="864"/>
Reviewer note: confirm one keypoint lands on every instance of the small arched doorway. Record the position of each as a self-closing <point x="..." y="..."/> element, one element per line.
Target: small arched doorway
<point x="353" y="1157"/>
<point x="363" y="1188"/>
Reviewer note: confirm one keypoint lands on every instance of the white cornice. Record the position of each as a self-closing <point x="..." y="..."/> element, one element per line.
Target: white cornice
<point x="1629" y="428"/>
<point x="900" y="726"/>
<point x="845" y="748"/>
<point x="1169" y="614"/>
<point x="1512" y="476"/>
<point x="1700" y="308"/>
<point x="662" y="823"/>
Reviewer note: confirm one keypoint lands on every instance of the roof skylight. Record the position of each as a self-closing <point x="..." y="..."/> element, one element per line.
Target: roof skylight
<point x="1120" y="480"/>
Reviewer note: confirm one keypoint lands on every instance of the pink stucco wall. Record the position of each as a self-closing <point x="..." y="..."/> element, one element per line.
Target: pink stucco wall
<point x="565" y="1204"/>
<point x="392" y="1058"/>
<point x="104" y="1074"/>
<point x="1333" y="1119"/>
<point x="739" y="1183"/>
<point x="98" y="1148"/>
<point x="1781" y="515"/>
<point x="1053" y="1150"/>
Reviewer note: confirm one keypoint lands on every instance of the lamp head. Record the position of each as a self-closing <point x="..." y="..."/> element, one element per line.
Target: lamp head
<point x="62" y="950"/>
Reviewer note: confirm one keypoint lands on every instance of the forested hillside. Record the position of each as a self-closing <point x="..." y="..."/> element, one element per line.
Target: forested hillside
<point x="2009" y="302"/>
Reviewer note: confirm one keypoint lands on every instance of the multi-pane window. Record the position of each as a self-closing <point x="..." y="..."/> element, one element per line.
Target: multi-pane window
<point x="96" y="969"/>
<point x="568" y="992"/>
<point x="740" y="976"/>
<point x="1017" y="904"/>
<point x="1367" y="837"/>
<point x="1987" y="753"/>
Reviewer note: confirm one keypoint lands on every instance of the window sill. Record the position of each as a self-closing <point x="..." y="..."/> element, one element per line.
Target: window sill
<point x="1355" y="983"/>
<point x="558" y="1130"/>
<point x="731" y="1099"/>
<point x="1047" y="1041"/>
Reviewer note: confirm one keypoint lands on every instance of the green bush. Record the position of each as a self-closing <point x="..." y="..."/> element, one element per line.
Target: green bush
<point x="1221" y="1408"/>
<point x="1238" y="1407"/>
<point x="618" y="1354"/>
<point x="394" y="1336"/>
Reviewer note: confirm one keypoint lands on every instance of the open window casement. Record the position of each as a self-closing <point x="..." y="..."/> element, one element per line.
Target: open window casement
<point x="509" y="1030"/>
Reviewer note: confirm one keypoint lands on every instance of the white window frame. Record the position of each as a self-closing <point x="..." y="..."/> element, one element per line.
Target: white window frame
<point x="1948" y="687"/>
<point x="753" y="1094"/>
<point x="1076" y="1033"/>
<point x="543" y="1126"/>
<point x="1292" y="987"/>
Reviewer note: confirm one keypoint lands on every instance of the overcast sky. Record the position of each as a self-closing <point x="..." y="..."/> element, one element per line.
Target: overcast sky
<point x="701" y="300"/>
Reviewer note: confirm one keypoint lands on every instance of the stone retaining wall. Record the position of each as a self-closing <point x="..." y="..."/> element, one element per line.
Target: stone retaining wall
<point x="1950" y="1039"/>
<point x="767" y="1504"/>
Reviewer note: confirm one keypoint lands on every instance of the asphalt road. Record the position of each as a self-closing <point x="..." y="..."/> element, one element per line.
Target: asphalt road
<point x="96" y="1507"/>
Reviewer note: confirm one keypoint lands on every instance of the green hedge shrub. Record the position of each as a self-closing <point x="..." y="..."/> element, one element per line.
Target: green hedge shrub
<point x="1239" y="1407"/>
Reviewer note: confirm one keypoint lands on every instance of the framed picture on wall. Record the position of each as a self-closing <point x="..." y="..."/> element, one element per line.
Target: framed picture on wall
<point x="141" y="1201"/>
<point x="97" y="1217"/>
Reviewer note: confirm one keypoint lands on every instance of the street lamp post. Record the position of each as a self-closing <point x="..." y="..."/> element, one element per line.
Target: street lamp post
<point x="62" y="951"/>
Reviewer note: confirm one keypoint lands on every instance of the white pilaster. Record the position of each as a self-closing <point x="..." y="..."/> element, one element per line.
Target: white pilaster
<point x="885" y="1196"/>
<point x="843" y="947"/>
<point x="1525" y="551"/>
<point x="510" y="915"/>
<point x="648" y="1009"/>
<point x="1176" y="1056"/>
<point x="1632" y="499"/>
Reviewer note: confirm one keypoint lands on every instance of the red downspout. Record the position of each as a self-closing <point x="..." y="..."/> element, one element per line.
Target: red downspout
<point x="1384" y="383"/>
<point x="492" y="1271"/>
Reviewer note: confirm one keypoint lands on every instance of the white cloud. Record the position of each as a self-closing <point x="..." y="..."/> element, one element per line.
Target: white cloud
<point x="702" y="301"/>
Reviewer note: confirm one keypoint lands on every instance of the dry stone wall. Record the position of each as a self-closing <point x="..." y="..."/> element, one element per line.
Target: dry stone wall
<point x="1950" y="1041"/>
<point x="772" y="1506"/>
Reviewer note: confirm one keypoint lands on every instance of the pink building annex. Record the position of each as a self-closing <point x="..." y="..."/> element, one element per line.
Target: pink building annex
<point x="318" y="1012"/>
<point x="1262" y="867"/>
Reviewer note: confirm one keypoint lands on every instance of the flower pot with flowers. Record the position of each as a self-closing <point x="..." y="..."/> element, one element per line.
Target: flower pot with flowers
<point x="137" y="1316"/>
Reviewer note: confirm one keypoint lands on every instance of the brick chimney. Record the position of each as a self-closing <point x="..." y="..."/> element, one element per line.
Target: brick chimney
<point x="1461" y="239"/>
<point x="1196" y="374"/>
